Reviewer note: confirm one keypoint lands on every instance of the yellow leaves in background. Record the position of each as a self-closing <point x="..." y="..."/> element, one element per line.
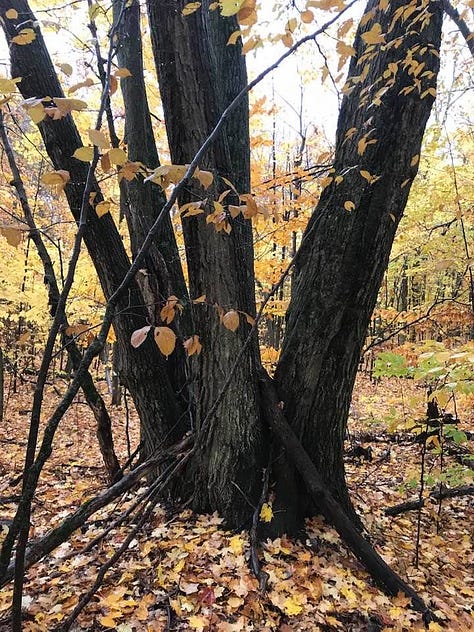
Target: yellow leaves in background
<point x="349" y="205"/>
<point x="11" y="14"/>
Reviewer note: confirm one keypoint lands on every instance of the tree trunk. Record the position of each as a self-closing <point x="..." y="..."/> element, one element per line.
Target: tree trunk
<point x="199" y="75"/>
<point x="162" y="275"/>
<point x="388" y="97"/>
<point x="144" y="370"/>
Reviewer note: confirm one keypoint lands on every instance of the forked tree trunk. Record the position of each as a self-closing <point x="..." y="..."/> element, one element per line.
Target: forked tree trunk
<point x="388" y="97"/>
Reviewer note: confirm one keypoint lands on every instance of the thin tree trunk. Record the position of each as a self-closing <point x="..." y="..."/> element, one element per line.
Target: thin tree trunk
<point x="338" y="271"/>
<point x="162" y="275"/>
<point x="144" y="370"/>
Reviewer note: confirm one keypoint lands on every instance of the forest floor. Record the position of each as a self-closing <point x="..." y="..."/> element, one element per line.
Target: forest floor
<point x="184" y="572"/>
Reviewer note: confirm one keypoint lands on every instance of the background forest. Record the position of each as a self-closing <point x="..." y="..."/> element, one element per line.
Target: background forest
<point x="93" y="555"/>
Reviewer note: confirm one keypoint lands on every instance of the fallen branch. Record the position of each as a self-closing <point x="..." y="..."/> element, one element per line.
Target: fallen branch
<point x="410" y="505"/>
<point x="385" y="577"/>
<point x="38" y="549"/>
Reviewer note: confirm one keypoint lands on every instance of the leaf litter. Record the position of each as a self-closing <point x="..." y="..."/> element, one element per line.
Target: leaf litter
<point x="186" y="572"/>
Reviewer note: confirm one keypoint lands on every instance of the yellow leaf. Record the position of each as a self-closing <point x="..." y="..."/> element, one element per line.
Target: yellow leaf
<point x="168" y="311"/>
<point x="415" y="160"/>
<point x="192" y="208"/>
<point x="24" y="37"/>
<point x="349" y="206"/>
<point x="291" y="25"/>
<point x="250" y="45"/>
<point x="166" y="175"/>
<point x="82" y="84"/>
<point x="191" y="7"/>
<point x="236" y="544"/>
<point x="192" y="345"/>
<point x="13" y="235"/>
<point x="35" y="112"/>
<point x="292" y="607"/>
<point x="66" y="69"/>
<point x="374" y="36"/>
<point x="249" y="319"/>
<point x="307" y="16"/>
<point x="165" y="338"/>
<point x="107" y="621"/>
<point x="247" y="16"/>
<point x="98" y="138"/>
<point x="56" y="178"/>
<point x="85" y="154"/>
<point x="234" y="37"/>
<point x="117" y="156"/>
<point x="231" y="320"/>
<point x="130" y="170"/>
<point x="344" y="49"/>
<point x="139" y="336"/>
<point x="206" y="178"/>
<point x="102" y="208"/>
<point x="7" y="85"/>
<point x="200" y="299"/>
<point x="122" y="73"/>
<point x="230" y="7"/>
<point x="198" y="622"/>
<point x="11" y="14"/>
<point x="287" y="40"/>
<point x="105" y="162"/>
<point x="266" y="513"/>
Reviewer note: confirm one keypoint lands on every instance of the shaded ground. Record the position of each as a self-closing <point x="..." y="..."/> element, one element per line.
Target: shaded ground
<point x="185" y="573"/>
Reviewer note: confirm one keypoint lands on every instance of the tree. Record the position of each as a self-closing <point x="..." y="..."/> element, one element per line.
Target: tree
<point x="222" y="395"/>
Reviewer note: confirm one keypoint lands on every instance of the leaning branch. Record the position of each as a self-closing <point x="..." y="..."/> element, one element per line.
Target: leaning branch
<point x="330" y="508"/>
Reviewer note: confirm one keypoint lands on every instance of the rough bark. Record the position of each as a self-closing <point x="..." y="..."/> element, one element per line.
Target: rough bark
<point x="162" y="275"/>
<point x="198" y="76"/>
<point x="345" y="249"/>
<point x="145" y="372"/>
